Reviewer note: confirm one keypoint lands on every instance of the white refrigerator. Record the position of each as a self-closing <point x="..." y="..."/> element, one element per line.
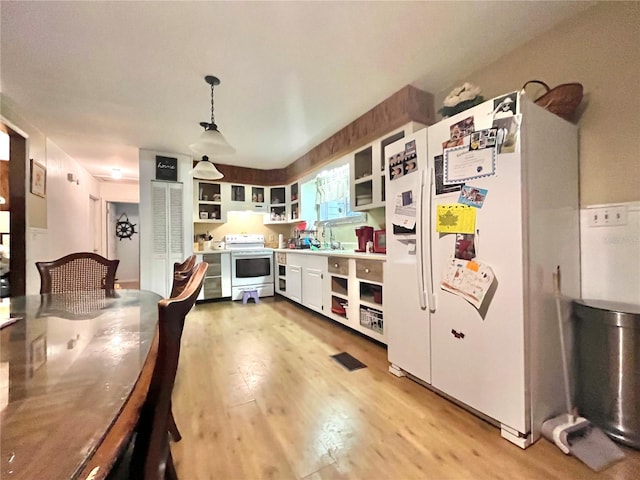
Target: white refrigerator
<point x="488" y="195"/>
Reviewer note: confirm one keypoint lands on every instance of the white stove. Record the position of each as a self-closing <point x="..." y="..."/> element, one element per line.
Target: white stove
<point x="251" y="265"/>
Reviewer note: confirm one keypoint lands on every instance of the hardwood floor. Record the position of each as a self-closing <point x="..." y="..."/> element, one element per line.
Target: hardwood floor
<point x="257" y="396"/>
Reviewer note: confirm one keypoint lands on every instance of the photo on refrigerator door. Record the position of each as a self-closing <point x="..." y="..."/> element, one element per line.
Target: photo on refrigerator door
<point x="507" y="133"/>
<point x="441" y="188"/>
<point x="472" y="196"/>
<point x="506" y="105"/>
<point x="396" y="166"/>
<point x="459" y="132"/>
<point x="483" y="139"/>
<point x="465" y="248"/>
<point x="405" y="162"/>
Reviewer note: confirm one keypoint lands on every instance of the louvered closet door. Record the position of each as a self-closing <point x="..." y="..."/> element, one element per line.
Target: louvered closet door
<point x="168" y="234"/>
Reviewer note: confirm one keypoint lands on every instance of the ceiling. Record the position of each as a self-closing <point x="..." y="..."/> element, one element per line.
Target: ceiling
<point x="103" y="79"/>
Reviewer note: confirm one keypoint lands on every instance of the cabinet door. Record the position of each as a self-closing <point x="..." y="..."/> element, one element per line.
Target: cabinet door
<point x="312" y="289"/>
<point x="294" y="282"/>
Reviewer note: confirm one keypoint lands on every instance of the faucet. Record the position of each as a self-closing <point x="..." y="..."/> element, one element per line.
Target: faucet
<point x="332" y="241"/>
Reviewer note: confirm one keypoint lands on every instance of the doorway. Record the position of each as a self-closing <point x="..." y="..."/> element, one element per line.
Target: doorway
<point x="13" y="182"/>
<point x="123" y="242"/>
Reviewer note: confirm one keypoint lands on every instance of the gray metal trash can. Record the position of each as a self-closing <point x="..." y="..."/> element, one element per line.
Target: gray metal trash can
<point x="607" y="348"/>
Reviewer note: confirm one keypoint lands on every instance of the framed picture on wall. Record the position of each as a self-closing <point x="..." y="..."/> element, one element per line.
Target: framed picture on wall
<point x="38" y="179"/>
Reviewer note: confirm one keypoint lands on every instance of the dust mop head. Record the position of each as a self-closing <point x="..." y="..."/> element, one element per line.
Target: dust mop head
<point x="592" y="446"/>
<point x="578" y="437"/>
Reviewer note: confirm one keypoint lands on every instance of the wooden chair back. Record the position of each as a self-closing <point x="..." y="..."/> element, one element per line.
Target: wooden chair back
<point x="83" y="271"/>
<point x="152" y="455"/>
<point x="185" y="266"/>
<point x="181" y="274"/>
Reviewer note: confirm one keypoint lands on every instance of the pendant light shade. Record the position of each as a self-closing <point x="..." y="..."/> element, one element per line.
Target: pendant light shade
<point x="211" y="142"/>
<point x="205" y="170"/>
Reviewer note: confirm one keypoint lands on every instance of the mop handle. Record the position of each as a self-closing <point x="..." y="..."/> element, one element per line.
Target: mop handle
<point x="565" y="368"/>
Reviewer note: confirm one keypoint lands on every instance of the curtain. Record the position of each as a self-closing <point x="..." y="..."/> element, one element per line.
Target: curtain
<point x="332" y="184"/>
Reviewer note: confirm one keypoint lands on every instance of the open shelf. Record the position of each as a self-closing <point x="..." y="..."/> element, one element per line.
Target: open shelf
<point x="371" y="293"/>
<point x="372" y="319"/>
<point x="338" y="306"/>
<point x="339" y="286"/>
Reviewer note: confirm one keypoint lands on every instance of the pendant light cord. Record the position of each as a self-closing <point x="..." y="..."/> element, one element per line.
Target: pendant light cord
<point x="213" y="122"/>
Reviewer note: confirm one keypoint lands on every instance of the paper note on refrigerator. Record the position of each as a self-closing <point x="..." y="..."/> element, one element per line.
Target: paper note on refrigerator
<point x="455" y="218"/>
<point x="404" y="213"/>
<point x="469" y="279"/>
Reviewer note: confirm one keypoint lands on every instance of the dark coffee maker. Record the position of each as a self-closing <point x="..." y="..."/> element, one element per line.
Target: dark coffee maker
<point x="364" y="234"/>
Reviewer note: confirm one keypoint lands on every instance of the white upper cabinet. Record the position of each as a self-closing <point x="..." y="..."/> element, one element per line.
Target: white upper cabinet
<point x="367" y="165"/>
<point x="208" y="202"/>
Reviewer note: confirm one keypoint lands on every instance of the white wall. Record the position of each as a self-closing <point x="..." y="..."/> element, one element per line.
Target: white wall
<point x="69" y="228"/>
<point x="599" y="49"/>
<point x="611" y="257"/>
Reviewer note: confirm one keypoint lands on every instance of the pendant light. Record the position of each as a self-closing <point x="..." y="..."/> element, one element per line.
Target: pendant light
<point x="211" y="142"/>
<point x="205" y="170"/>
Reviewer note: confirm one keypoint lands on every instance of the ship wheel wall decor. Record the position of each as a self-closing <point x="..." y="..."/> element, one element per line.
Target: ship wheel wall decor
<point x="124" y="228"/>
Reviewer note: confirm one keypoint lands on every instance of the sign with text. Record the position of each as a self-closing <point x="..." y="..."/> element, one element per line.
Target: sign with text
<point x="166" y="168"/>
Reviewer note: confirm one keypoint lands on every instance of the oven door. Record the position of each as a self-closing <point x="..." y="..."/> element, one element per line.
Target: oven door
<point x="251" y="268"/>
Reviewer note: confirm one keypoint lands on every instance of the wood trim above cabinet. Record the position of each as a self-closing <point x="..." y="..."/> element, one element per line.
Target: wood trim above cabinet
<point x="408" y="104"/>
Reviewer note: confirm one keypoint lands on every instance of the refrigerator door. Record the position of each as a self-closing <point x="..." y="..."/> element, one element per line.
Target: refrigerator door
<point x="478" y="356"/>
<point x="406" y="313"/>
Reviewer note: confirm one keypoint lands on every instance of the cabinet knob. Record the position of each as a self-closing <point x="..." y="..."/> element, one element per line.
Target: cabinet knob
<point x="335" y="265"/>
<point x="366" y="270"/>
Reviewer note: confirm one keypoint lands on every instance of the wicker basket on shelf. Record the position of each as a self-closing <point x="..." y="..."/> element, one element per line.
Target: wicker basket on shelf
<point x="561" y="100"/>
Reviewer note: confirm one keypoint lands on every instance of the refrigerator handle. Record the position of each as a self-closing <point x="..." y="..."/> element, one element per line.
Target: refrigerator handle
<point x="419" y="245"/>
<point x="428" y="270"/>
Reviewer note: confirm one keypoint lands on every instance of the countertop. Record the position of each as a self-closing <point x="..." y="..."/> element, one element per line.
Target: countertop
<point x="331" y="253"/>
<point x="209" y="252"/>
<point x="307" y="251"/>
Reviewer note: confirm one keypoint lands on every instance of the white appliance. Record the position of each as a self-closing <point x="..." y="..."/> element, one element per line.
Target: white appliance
<point x="251" y="265"/>
<point x="502" y="360"/>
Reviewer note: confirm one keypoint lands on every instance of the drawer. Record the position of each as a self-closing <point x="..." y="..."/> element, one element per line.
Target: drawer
<point x="214" y="269"/>
<point x="369" y="270"/>
<point x="339" y="265"/>
<point x="281" y="258"/>
<point x="214" y="265"/>
<point x="212" y="287"/>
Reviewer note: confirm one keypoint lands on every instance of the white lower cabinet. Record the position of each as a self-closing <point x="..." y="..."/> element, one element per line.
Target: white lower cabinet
<point x="353" y="290"/>
<point x="312" y="277"/>
<point x="348" y="290"/>
<point x="294" y="282"/>
<point x="300" y="278"/>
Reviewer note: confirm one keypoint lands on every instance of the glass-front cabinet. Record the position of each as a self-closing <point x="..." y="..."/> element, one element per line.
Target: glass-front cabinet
<point x="367" y="170"/>
<point x="294" y="200"/>
<point x="246" y="198"/>
<point x="208" y="202"/>
<point x="278" y="211"/>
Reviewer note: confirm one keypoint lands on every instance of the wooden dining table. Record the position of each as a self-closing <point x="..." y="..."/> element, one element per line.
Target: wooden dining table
<point x="74" y="372"/>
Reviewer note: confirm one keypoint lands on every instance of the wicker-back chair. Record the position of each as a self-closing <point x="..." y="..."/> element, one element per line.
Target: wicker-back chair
<point x="152" y="455"/>
<point x="83" y="271"/>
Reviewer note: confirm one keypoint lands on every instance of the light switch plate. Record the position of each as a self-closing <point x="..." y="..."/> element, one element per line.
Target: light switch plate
<point x="607" y="216"/>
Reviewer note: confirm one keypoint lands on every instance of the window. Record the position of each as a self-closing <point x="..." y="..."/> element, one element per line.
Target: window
<point x="332" y="194"/>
